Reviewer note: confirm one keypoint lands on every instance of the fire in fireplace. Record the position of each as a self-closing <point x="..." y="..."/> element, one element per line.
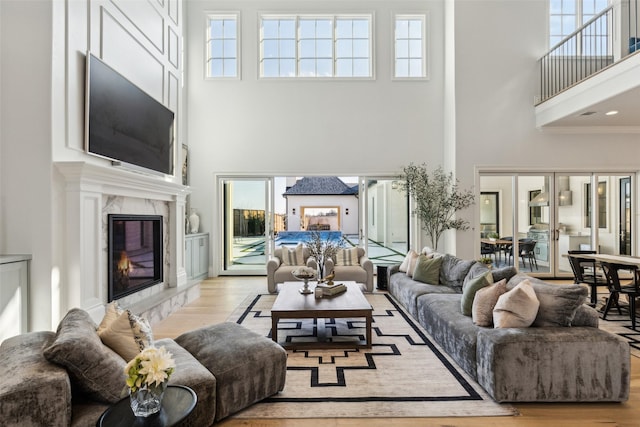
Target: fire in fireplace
<point x="135" y="253"/>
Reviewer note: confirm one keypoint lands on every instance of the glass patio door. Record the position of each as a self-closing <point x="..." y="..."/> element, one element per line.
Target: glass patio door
<point x="247" y="224"/>
<point x="384" y="220"/>
<point x="559" y="212"/>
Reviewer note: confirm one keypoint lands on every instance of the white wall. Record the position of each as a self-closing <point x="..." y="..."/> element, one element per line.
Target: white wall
<point x="26" y="216"/>
<point x="42" y="84"/>
<point x="292" y="127"/>
<point x="497" y="45"/>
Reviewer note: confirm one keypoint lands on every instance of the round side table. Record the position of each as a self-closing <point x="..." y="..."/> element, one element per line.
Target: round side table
<point x="177" y="404"/>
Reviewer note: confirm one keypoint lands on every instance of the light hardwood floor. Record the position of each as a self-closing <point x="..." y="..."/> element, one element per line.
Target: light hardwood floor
<point x="220" y="296"/>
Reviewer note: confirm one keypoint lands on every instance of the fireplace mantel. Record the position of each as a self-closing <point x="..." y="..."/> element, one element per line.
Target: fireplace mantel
<point x="87" y="186"/>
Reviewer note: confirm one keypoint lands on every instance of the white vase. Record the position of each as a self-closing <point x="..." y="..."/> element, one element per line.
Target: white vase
<point x="194" y="221"/>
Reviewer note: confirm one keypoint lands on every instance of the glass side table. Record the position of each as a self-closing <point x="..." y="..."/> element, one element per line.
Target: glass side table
<point x="177" y="404"/>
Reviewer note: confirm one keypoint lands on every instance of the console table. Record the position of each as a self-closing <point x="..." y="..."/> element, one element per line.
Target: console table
<point x="177" y="404"/>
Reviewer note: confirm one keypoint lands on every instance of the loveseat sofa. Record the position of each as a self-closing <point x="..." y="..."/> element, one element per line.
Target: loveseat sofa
<point x="562" y="357"/>
<point x="69" y="377"/>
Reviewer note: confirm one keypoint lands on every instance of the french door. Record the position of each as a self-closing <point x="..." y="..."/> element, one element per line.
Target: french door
<point x="548" y="214"/>
<point x="246" y="211"/>
<point x="384" y="220"/>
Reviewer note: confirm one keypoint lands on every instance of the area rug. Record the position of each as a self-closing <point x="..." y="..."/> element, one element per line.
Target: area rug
<point x="620" y="324"/>
<point x="404" y="374"/>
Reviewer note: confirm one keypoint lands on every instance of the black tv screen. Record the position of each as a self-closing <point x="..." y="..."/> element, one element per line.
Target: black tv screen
<point x="125" y="124"/>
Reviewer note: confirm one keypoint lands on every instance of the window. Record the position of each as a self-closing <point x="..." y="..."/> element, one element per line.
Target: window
<point x="315" y="46"/>
<point x="566" y="16"/>
<point x="222" y="46"/>
<point x="410" y="51"/>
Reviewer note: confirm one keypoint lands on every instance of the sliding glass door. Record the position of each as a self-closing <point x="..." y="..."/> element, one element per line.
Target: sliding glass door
<point x="247" y="224"/>
<point x="546" y="215"/>
<point x="385" y="219"/>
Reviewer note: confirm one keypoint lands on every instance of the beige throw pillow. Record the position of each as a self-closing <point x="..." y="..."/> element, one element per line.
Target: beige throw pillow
<point x="112" y="312"/>
<point x="347" y="257"/>
<point x="293" y="256"/>
<point x="127" y="335"/>
<point x="404" y="267"/>
<point x="517" y="308"/>
<point x="484" y="302"/>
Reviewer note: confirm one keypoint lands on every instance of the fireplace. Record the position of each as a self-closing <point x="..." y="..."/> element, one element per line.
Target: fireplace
<point x="135" y="251"/>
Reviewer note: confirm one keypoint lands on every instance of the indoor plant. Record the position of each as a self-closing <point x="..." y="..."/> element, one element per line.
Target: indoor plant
<point x="322" y="249"/>
<point x="147" y="377"/>
<point x="437" y="198"/>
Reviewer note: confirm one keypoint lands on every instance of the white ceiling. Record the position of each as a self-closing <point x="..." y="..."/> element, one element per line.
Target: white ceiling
<point x="614" y="89"/>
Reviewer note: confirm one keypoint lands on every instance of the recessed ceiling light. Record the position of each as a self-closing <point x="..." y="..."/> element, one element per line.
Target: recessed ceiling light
<point x="611" y="113"/>
<point x="588" y="113"/>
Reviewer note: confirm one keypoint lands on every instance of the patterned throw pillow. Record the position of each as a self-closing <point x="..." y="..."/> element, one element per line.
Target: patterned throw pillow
<point x="347" y="257"/>
<point x="293" y="256"/>
<point x="127" y="335"/>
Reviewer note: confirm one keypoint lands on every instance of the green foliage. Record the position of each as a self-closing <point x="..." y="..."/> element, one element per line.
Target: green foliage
<point x="437" y="198"/>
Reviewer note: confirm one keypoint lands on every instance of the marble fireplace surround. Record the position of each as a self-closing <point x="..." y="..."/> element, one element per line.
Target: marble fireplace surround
<point x="94" y="191"/>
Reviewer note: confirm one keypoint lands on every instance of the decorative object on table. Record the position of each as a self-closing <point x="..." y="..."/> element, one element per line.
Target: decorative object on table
<point x="331" y="289"/>
<point x="304" y="273"/>
<point x="328" y="279"/>
<point x="147" y="377"/>
<point x="437" y="198"/>
<point x="322" y="249"/>
<point x="194" y="222"/>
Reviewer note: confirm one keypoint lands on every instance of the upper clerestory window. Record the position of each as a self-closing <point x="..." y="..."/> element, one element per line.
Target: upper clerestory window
<point x="317" y="46"/>
<point x="222" y="46"/>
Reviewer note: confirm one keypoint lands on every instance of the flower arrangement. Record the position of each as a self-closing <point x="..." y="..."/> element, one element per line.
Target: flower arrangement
<point x="152" y="367"/>
<point x="322" y="249"/>
<point x="485" y="260"/>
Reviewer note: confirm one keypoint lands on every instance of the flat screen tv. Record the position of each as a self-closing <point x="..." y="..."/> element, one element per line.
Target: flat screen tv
<point x="135" y="253"/>
<point x="125" y="124"/>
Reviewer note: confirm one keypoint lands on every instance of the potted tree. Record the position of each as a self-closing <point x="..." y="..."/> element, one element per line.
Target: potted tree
<point x="437" y="198"/>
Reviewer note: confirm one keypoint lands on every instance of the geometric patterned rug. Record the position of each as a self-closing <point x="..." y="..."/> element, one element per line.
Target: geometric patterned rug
<point x="404" y="374"/>
<point x="620" y="324"/>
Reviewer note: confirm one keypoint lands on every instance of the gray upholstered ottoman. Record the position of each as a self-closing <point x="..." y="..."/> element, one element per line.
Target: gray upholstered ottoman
<point x="248" y="367"/>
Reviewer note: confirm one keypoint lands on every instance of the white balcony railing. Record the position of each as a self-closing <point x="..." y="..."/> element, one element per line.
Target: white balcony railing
<point x="589" y="49"/>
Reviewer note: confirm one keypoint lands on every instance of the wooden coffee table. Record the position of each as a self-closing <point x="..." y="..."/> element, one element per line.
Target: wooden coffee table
<point x="291" y="304"/>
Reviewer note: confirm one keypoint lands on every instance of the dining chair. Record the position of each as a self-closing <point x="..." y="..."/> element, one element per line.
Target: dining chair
<point x="615" y="289"/>
<point x="506" y="248"/>
<point x="526" y="251"/>
<point x="585" y="270"/>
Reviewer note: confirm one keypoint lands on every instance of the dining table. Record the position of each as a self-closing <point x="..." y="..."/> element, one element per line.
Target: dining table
<point x="497" y="244"/>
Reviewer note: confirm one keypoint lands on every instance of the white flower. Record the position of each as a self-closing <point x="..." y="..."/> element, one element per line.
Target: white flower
<point x="152" y="366"/>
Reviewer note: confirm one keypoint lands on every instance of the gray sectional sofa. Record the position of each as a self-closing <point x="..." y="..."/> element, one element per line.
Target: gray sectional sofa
<point x="562" y="357"/>
<point x="69" y="377"/>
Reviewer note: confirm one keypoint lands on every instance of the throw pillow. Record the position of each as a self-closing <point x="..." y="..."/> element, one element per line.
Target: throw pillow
<point x="485" y="301"/>
<point x="112" y="312"/>
<point x="516" y="308"/>
<point x="404" y="267"/>
<point x="347" y="257"/>
<point x="469" y="291"/>
<point x="558" y="303"/>
<point x="503" y="273"/>
<point x="427" y="270"/>
<point x="453" y="271"/>
<point x="127" y="335"/>
<point x="92" y="366"/>
<point x="293" y="256"/>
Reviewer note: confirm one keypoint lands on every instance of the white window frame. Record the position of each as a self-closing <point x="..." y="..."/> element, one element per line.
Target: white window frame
<point x="579" y="21"/>
<point x="221" y="16"/>
<point x="424" y="17"/>
<point x="369" y="17"/>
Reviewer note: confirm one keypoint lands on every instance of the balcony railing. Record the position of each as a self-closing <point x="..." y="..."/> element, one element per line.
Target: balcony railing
<point x="588" y="50"/>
